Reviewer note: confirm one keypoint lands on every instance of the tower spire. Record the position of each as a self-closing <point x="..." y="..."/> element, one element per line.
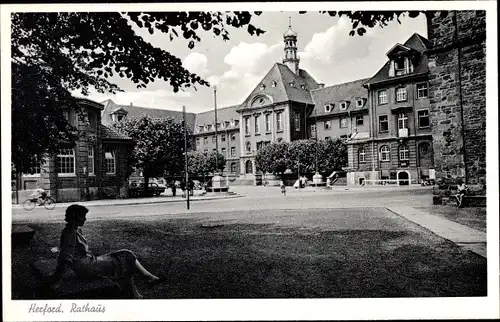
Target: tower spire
<point x="290" y="38"/>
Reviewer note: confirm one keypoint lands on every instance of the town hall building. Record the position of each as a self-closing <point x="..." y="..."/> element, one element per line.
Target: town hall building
<point x="383" y="119"/>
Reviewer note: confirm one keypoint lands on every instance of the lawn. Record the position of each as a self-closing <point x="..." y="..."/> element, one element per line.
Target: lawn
<point x="473" y="217"/>
<point x="278" y="254"/>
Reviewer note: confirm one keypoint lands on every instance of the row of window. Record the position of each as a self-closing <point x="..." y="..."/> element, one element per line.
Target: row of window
<point x="385" y="152"/>
<point x="223" y="125"/>
<point x="223" y="151"/>
<point x="260" y="145"/>
<point x="267" y="123"/>
<point x="402" y="94"/>
<point x="360" y="102"/>
<point x="343" y="122"/>
<point x="422" y="116"/>
<point x="214" y="139"/>
<point x="66" y="162"/>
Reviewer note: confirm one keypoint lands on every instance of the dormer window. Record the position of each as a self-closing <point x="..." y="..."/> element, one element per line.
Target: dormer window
<point x="292" y="84"/>
<point x="360" y="102"/>
<point x="274" y="84"/>
<point x="303" y="86"/>
<point x="400" y="66"/>
<point x="328" y="108"/>
<point x="200" y="128"/>
<point x="343" y="106"/>
<point x="262" y="87"/>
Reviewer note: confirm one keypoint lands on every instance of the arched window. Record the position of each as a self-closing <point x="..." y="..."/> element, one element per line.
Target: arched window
<point x="385" y="153"/>
<point x="248" y="147"/>
<point x="404" y="153"/>
<point x="361" y="155"/>
<point x="248" y="167"/>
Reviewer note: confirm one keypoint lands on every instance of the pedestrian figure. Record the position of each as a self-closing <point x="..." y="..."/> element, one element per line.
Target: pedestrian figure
<point x="173" y="187"/>
<point x="283" y="188"/>
<point x="183" y="188"/>
<point x="191" y="187"/>
<point x="462" y="190"/>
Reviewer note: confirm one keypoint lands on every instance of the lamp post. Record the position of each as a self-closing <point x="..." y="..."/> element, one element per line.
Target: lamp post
<point x="215" y="127"/>
<point x="186" y="175"/>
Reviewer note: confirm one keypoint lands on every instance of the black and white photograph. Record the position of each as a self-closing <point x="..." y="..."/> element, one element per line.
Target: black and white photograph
<point x="199" y="154"/>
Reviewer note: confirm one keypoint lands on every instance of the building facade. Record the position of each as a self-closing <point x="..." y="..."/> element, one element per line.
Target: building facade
<point x="95" y="167"/>
<point x="398" y="149"/>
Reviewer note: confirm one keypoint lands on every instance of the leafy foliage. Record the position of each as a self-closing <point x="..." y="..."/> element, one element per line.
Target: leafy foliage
<point x="273" y="158"/>
<point x="203" y="163"/>
<point x="302" y="156"/>
<point x="159" y="144"/>
<point x="84" y="50"/>
<point x="369" y="19"/>
<point x="332" y="155"/>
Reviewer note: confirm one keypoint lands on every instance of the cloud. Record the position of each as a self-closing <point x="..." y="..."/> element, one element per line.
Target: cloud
<point x="323" y="45"/>
<point x="248" y="63"/>
<point x="196" y="63"/>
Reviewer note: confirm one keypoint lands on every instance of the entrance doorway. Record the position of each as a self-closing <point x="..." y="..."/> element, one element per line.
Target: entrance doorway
<point x="248" y="167"/>
<point x="403" y="178"/>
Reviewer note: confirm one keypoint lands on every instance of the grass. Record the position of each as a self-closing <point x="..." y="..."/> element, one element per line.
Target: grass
<point x="473" y="217"/>
<point x="308" y="254"/>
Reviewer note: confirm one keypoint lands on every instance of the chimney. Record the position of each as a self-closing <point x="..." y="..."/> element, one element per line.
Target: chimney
<point x="321" y="85"/>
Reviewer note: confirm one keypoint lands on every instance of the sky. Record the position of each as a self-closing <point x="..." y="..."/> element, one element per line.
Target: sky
<point x="236" y="66"/>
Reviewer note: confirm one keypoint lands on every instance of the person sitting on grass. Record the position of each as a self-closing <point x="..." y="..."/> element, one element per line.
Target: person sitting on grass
<point x="120" y="266"/>
<point x="462" y="190"/>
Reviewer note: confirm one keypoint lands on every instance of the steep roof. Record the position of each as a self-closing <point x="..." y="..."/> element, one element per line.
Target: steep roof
<point x="415" y="42"/>
<point x="133" y="111"/>
<point x="283" y="90"/>
<point x="336" y="94"/>
<point x="111" y="134"/>
<point x="227" y="113"/>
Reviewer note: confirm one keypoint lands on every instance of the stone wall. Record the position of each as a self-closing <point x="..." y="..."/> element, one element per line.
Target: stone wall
<point x="457" y="90"/>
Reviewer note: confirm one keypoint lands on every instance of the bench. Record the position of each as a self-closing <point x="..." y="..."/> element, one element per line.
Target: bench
<point x="72" y="287"/>
<point x="474" y="201"/>
<point x="21" y="235"/>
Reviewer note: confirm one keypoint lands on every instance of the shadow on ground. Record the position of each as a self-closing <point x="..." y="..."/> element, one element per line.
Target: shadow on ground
<point x="273" y="261"/>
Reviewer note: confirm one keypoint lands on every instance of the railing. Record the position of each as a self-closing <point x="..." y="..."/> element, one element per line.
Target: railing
<point x="382" y="182"/>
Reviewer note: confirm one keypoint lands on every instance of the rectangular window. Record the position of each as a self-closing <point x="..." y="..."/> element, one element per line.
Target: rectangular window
<point x="297" y="121"/>
<point x="343" y="122"/>
<point x="313" y="130"/>
<point x="223" y="152"/>
<point x="259" y="145"/>
<point x="257" y="124"/>
<point x="359" y="120"/>
<point x="360" y="102"/>
<point x="400" y="66"/>
<point x="328" y="108"/>
<point x="268" y="123"/>
<point x="422" y="90"/>
<point x="402" y="121"/>
<point x="233" y="137"/>
<point x="214" y="139"/>
<point x="328" y="125"/>
<point x="423" y="119"/>
<point x="247" y="125"/>
<point x="66" y="161"/>
<point x="91" y="160"/>
<point x="110" y="160"/>
<point x="233" y="151"/>
<point x="382" y="97"/>
<point x="34" y="171"/>
<point x="401" y="94"/>
<point x="223" y="138"/>
<point x="205" y="140"/>
<point x="383" y="123"/>
<point x="198" y="141"/>
<point x="279" y="121"/>
<point x="92" y="120"/>
<point x="343" y="106"/>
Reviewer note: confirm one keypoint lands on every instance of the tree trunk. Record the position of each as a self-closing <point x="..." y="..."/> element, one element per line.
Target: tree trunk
<point x="18" y="179"/>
